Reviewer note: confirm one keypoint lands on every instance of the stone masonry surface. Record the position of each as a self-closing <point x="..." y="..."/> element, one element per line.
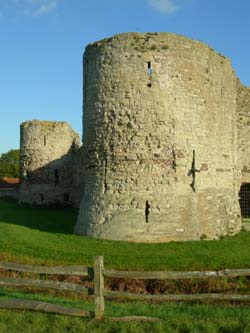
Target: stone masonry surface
<point x="47" y="153"/>
<point x="165" y="143"/>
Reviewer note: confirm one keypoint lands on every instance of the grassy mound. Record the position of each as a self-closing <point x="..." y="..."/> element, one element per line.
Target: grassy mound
<point x="174" y="317"/>
<point x="45" y="235"/>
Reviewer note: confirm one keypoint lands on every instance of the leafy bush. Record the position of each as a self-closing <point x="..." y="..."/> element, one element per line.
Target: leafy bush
<point x="9" y="164"/>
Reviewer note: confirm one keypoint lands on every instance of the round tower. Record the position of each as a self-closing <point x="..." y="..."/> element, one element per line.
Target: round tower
<point x="46" y="162"/>
<point x="159" y="136"/>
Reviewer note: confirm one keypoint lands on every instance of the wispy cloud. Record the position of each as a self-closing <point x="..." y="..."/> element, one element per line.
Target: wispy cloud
<point x="33" y="8"/>
<point x="164" y="6"/>
<point x="43" y="8"/>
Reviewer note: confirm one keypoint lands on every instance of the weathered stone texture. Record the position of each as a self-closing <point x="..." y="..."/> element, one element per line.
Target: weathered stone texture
<point x="243" y="124"/>
<point x="47" y="157"/>
<point x="159" y="109"/>
<point x="9" y="193"/>
<point x="149" y="101"/>
<point x="78" y="177"/>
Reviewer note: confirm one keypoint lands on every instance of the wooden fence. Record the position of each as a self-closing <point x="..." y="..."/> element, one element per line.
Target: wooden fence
<point x="42" y="306"/>
<point x="98" y="274"/>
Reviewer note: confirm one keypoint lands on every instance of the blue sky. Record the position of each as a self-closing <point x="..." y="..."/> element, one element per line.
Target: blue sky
<point x="42" y="42"/>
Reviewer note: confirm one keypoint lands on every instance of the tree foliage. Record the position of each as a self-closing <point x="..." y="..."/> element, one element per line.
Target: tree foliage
<point x="9" y="164"/>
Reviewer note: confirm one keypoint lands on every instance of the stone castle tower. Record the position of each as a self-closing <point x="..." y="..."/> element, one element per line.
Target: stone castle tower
<point x="164" y="152"/>
<point x="48" y="153"/>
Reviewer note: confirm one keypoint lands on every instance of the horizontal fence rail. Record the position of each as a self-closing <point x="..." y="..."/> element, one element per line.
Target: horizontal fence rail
<point x="45" y="284"/>
<point x="175" y="297"/>
<point x="48" y="284"/>
<point x="175" y="275"/>
<point x="97" y="274"/>
<point x="20" y="304"/>
<point x="59" y="270"/>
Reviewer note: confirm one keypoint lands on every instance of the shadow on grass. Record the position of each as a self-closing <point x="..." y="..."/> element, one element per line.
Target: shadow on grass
<point x="49" y="219"/>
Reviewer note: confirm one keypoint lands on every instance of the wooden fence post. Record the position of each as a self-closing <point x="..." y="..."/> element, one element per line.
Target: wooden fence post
<point x="99" y="287"/>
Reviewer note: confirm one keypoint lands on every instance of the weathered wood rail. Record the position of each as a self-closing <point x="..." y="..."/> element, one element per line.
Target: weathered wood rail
<point x="42" y="306"/>
<point x="45" y="284"/>
<point x="165" y="275"/>
<point x="48" y="284"/>
<point x="59" y="270"/>
<point x="172" y="275"/>
<point x="98" y="275"/>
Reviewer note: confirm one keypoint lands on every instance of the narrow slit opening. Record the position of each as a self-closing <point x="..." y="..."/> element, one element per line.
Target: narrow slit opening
<point x="149" y="69"/>
<point x="147" y="210"/>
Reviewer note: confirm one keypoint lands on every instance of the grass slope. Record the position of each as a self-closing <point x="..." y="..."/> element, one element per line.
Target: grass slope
<point x="43" y="235"/>
<point x="175" y="318"/>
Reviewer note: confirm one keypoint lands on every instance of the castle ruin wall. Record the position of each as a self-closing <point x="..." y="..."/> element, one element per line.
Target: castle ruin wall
<point x="47" y="156"/>
<point x="78" y="177"/>
<point x="160" y="140"/>
<point x="243" y="123"/>
<point x="243" y="126"/>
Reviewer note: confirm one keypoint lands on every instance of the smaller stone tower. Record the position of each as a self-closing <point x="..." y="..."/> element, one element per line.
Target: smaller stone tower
<point x="47" y="152"/>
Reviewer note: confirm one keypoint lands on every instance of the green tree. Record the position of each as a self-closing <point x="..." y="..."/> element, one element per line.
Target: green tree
<point x="9" y="164"/>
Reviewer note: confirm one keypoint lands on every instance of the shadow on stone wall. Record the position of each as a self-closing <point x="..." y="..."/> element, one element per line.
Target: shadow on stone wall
<point x="57" y="183"/>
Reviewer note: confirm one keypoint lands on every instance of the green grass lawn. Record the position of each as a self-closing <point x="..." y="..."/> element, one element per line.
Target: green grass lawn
<point x="44" y="235"/>
<point x="174" y="318"/>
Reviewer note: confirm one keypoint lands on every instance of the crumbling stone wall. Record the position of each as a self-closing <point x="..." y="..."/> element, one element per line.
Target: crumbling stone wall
<point x="165" y="144"/>
<point x="156" y="108"/>
<point x="78" y="177"/>
<point x="47" y="153"/>
<point x="243" y="124"/>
